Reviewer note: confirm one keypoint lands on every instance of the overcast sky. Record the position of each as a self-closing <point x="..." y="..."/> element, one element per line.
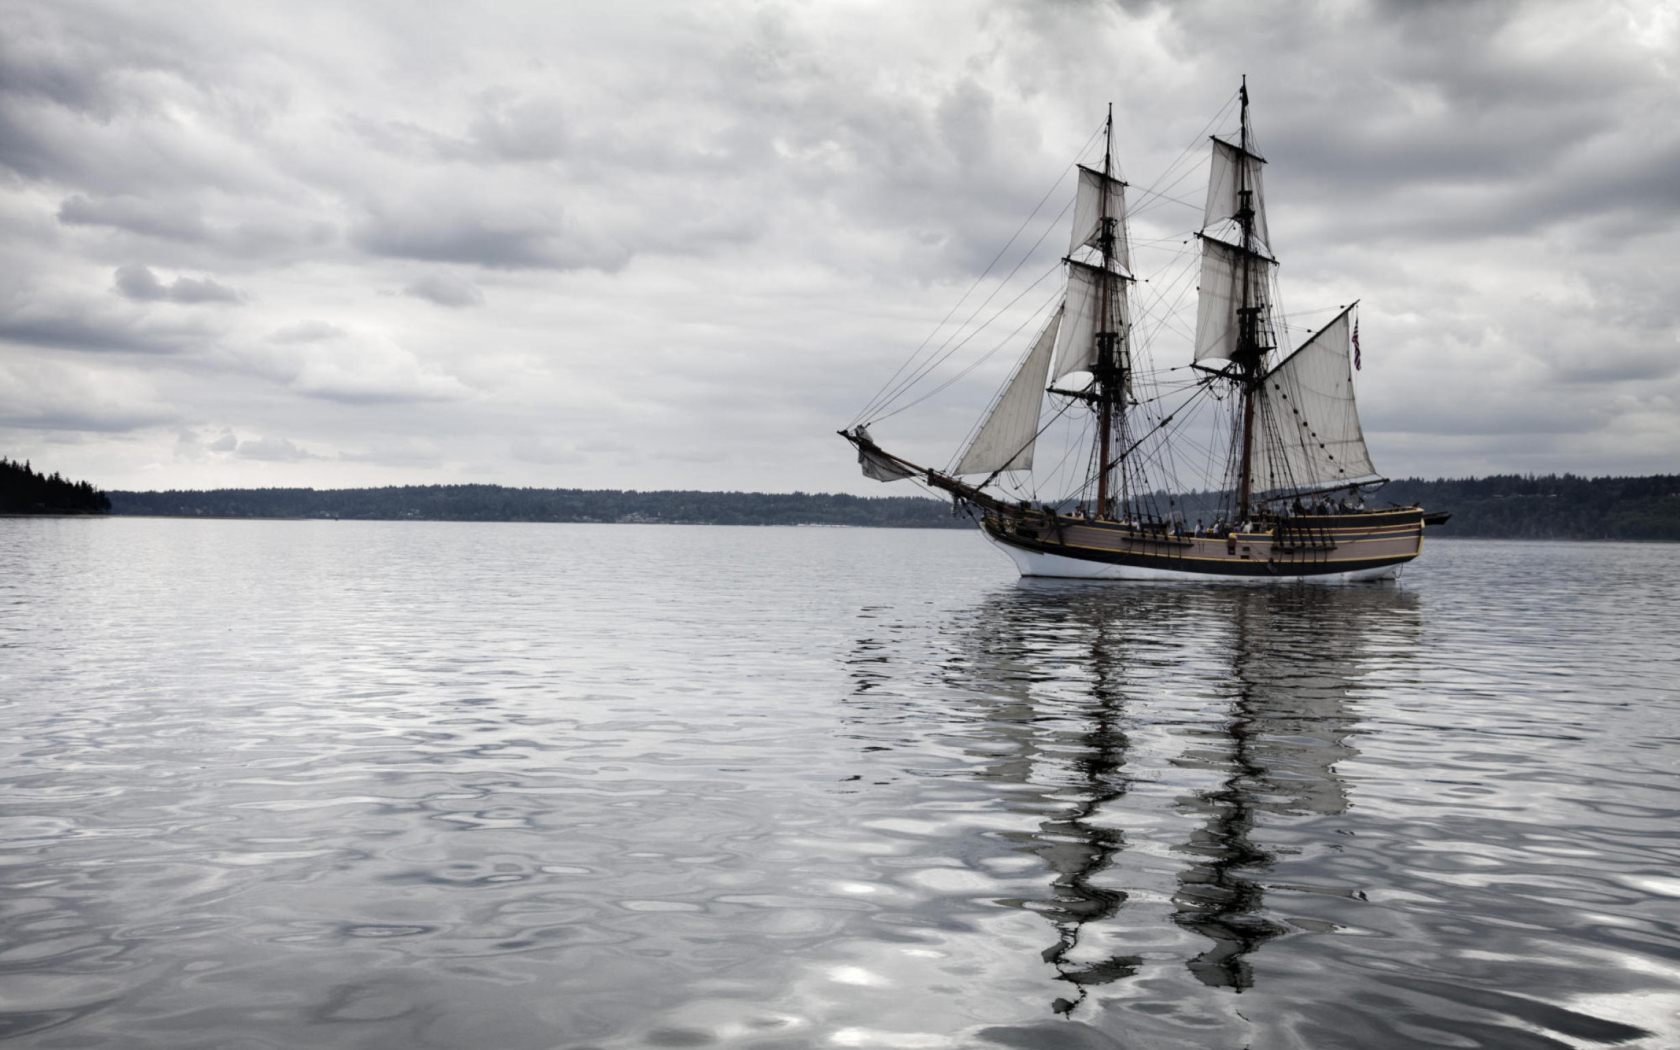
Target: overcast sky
<point x="646" y="245"/>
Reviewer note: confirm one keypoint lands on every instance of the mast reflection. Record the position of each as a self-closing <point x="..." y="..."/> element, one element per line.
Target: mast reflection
<point x="1294" y="658"/>
<point x="1053" y="665"/>
<point x="1075" y="846"/>
<point x="1069" y="673"/>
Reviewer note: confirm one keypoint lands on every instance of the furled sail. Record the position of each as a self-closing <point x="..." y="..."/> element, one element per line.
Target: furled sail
<point x="1006" y="439"/>
<point x="1089" y="208"/>
<point x="1076" y="347"/>
<point x="1236" y="170"/>
<point x="1307" y="413"/>
<point x="876" y="464"/>
<point x="1217" y="319"/>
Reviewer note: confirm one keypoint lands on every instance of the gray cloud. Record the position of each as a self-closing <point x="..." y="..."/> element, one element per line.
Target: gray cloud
<point x="201" y="290"/>
<point x="95" y="419"/>
<point x="271" y="450"/>
<point x="413" y="454"/>
<point x="321" y="360"/>
<point x="446" y="233"/>
<point x="135" y="281"/>
<point x="93" y="332"/>
<point x="173" y="219"/>
<point x="307" y="332"/>
<point x="445" y="290"/>
<point x="538" y="449"/>
<point x="524" y="130"/>
<point x="40" y="393"/>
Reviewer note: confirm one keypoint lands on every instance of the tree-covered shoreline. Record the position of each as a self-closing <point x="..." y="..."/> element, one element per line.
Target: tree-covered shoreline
<point x="496" y="503"/>
<point x="22" y="491"/>
<point x="1550" y="507"/>
<point x="1500" y="507"/>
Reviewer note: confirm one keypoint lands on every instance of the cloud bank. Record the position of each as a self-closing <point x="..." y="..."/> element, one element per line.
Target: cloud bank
<point x="660" y="245"/>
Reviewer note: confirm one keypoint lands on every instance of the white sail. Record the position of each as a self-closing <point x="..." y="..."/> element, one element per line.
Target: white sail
<point x="1088" y="211"/>
<point x="1006" y="439"/>
<point x="1307" y="432"/>
<point x="1076" y="348"/>
<point x="1223" y="266"/>
<point x="1234" y="171"/>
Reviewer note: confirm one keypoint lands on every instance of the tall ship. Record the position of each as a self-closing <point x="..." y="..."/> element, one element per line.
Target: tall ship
<point x="1286" y="473"/>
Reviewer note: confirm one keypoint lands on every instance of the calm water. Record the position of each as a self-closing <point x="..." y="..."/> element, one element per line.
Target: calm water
<point x="334" y="784"/>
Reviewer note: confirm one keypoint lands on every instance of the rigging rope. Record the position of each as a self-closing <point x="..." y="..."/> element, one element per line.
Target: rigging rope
<point x="878" y="401"/>
<point x="959" y="346"/>
<point x="1159" y="308"/>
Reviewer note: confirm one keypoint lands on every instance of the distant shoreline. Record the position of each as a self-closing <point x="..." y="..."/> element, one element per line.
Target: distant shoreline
<point x="1553" y="507"/>
<point x="496" y="503"/>
<point x="477" y="521"/>
<point x="1433" y="534"/>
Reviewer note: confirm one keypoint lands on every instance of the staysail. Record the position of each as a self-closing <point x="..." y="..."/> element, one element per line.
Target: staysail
<point x="1006" y="438"/>
<point x="1313" y="437"/>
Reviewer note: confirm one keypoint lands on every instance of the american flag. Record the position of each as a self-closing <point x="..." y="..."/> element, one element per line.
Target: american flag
<point x="1356" y="345"/>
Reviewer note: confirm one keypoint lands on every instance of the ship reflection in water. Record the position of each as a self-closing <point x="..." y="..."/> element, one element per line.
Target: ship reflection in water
<point x="1169" y="738"/>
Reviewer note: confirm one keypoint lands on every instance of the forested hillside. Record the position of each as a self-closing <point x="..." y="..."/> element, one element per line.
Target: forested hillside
<point x="22" y="491"/>
<point x="1509" y="506"/>
<point x="1549" y="507"/>
<point x="495" y="503"/>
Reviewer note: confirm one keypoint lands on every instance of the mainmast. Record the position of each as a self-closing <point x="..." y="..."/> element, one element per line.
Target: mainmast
<point x="1249" y="353"/>
<point x="1109" y="372"/>
<point x="1233" y="314"/>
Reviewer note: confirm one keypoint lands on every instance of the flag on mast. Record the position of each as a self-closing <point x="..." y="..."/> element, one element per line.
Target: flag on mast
<point x="1356" y="346"/>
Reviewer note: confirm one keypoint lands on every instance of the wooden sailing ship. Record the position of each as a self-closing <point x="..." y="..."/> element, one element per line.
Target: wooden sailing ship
<point x="1290" y="503"/>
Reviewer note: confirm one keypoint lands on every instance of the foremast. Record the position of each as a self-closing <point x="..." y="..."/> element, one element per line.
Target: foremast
<point x="1109" y="370"/>
<point x="1233" y="320"/>
<point x="1086" y="335"/>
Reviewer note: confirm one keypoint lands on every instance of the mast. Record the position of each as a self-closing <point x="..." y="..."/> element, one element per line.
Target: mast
<point x="1248" y="350"/>
<point x="1109" y="372"/>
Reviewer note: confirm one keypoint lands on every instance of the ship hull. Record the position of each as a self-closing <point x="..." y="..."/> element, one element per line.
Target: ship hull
<point x="1343" y="548"/>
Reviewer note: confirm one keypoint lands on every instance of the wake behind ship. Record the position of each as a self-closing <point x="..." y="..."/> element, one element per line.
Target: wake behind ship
<point x="1288" y="500"/>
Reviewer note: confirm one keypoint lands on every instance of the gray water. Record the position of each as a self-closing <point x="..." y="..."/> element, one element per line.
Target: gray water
<point x="335" y="784"/>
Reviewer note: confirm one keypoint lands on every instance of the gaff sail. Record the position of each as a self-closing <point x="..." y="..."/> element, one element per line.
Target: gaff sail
<point x="1307" y="404"/>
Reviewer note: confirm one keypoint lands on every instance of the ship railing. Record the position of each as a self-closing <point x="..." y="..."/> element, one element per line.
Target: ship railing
<point x="1155" y="534"/>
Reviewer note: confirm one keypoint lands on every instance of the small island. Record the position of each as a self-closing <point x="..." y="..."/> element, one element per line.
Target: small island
<point x="22" y="491"/>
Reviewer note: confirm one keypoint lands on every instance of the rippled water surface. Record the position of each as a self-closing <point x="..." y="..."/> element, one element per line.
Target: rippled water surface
<point x="334" y="784"/>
